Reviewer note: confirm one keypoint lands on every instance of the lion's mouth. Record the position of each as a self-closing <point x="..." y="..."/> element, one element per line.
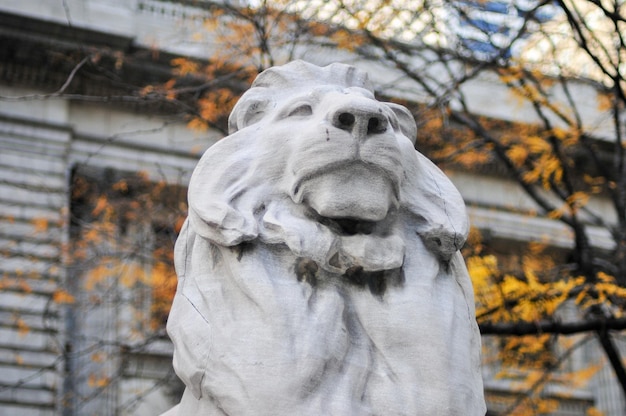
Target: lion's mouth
<point x="348" y="226"/>
<point x="353" y="196"/>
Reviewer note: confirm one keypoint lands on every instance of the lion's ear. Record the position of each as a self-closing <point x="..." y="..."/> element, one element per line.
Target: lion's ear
<point x="436" y="204"/>
<point x="247" y="111"/>
<point x="405" y="120"/>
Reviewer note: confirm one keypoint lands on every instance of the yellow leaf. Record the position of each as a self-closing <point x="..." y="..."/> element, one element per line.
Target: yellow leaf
<point x="605" y="277"/>
<point x="512" y="286"/>
<point x="62" y="297"/>
<point x="98" y="357"/>
<point x="197" y="124"/>
<point x="40" y="224"/>
<point x="318" y="29"/>
<point x="120" y="186"/>
<point x="131" y="274"/>
<point x="211" y="24"/>
<point x="517" y="154"/>
<point x="472" y="158"/>
<point x="531" y="176"/>
<point x="579" y="378"/>
<point x="536" y="144"/>
<point x="577" y="200"/>
<point x="481" y="268"/>
<point x="143" y="175"/>
<point x="146" y="90"/>
<point x="184" y="66"/>
<point x="592" y="411"/>
<point x="555" y="214"/>
<point x="22" y="328"/>
<point x="101" y="205"/>
<point x="97" y="382"/>
<point x="605" y="102"/>
<point x="24" y="286"/>
<point x="344" y="40"/>
<point x="536" y="247"/>
<point x="97" y="275"/>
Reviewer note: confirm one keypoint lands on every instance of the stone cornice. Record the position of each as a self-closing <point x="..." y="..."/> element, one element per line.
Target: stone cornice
<point x="41" y="54"/>
<point x="52" y="33"/>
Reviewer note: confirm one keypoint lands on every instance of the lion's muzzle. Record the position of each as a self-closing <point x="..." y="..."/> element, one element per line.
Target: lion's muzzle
<point x="352" y="167"/>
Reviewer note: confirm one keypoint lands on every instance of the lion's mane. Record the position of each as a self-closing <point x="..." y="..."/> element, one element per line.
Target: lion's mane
<point x="282" y="309"/>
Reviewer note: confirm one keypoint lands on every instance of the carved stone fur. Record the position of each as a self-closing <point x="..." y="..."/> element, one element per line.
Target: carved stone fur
<point x="319" y="271"/>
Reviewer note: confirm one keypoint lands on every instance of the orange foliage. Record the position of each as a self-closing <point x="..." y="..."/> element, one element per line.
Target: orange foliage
<point x="22" y="327"/>
<point x="184" y="66"/>
<point x="117" y="217"/>
<point x="40" y="224"/>
<point x="98" y="381"/>
<point x="101" y="205"/>
<point x="62" y="297"/>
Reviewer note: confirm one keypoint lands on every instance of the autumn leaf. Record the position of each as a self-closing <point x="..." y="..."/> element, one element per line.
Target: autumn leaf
<point x="130" y="274"/>
<point x="605" y="102"/>
<point x="98" y="357"/>
<point x="318" y="28"/>
<point x="146" y="90"/>
<point x="98" y="382"/>
<point x="518" y="154"/>
<point x="536" y="247"/>
<point x="472" y="158"/>
<point x="536" y="144"/>
<point x="577" y="200"/>
<point x="119" y="59"/>
<point x="22" y="328"/>
<point x="97" y="275"/>
<point x="120" y="186"/>
<point x="101" y="205"/>
<point x="184" y="66"/>
<point x="593" y="411"/>
<point x="178" y="224"/>
<point x="344" y="40"/>
<point x="197" y="124"/>
<point x="481" y="268"/>
<point x="211" y="24"/>
<point x="40" y="224"/>
<point x="62" y="297"/>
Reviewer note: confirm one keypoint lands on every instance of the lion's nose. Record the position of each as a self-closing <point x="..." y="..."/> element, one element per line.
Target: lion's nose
<point x="362" y="120"/>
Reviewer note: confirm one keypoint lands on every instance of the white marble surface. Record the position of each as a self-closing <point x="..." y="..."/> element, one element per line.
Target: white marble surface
<point x="319" y="271"/>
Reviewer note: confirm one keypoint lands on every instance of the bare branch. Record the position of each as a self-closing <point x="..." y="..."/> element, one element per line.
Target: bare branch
<point x="552" y="327"/>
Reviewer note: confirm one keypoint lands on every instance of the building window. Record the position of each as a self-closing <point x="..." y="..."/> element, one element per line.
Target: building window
<point x="123" y="230"/>
<point x="121" y="275"/>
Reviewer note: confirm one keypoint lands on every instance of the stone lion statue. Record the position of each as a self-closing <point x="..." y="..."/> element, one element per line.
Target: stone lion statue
<point x="319" y="268"/>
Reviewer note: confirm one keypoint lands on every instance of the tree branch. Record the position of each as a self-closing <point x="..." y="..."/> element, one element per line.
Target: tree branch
<point x="552" y="327"/>
<point x="614" y="357"/>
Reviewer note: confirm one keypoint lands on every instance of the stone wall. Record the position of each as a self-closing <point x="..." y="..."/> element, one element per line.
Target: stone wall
<point x="42" y="140"/>
<point x="33" y="209"/>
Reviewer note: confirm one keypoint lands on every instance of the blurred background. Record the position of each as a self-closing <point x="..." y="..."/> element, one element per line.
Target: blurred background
<point x="107" y="105"/>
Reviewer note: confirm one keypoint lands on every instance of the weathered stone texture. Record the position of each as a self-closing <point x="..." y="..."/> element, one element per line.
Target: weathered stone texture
<point x="319" y="270"/>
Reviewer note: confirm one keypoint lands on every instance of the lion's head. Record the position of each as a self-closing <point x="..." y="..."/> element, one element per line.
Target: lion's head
<point x="312" y="149"/>
<point x="319" y="270"/>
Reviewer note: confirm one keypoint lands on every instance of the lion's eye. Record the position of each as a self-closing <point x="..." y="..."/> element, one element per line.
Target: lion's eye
<point x="301" y="110"/>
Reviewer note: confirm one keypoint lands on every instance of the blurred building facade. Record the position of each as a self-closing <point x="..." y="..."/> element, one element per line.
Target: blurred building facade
<point x="49" y="362"/>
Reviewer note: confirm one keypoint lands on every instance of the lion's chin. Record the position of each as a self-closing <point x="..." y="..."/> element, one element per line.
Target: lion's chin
<point x="362" y="194"/>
